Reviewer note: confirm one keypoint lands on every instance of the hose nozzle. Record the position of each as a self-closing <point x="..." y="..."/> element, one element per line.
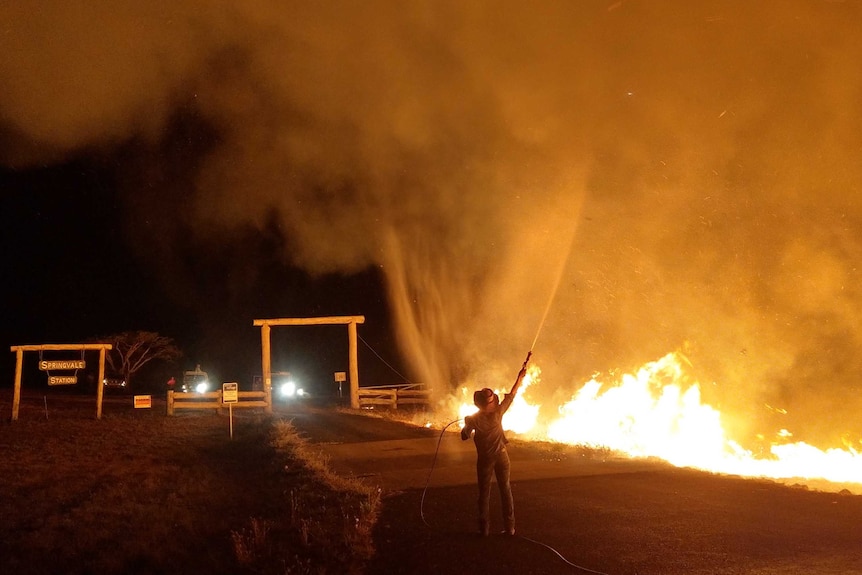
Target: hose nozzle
<point x="526" y="361"/>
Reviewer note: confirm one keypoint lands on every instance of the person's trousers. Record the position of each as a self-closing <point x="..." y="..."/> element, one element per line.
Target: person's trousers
<point x="498" y="466"/>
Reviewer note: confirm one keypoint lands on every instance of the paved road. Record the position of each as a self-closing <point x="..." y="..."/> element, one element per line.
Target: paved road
<point x="599" y="513"/>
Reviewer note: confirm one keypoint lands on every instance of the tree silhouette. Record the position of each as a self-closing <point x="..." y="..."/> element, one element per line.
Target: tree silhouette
<point x="132" y="350"/>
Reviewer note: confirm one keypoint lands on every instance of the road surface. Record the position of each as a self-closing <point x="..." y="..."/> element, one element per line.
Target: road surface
<point x="580" y="511"/>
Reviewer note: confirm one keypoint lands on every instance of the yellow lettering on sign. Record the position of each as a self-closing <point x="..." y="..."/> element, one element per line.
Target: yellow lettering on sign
<point x="45" y="365"/>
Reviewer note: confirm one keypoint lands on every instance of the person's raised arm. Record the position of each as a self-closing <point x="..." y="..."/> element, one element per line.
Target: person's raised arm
<point x="521" y="375"/>
<point x="515" y="387"/>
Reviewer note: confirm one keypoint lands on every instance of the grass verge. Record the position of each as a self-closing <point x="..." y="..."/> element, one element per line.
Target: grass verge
<point x="138" y="492"/>
<point x="329" y="522"/>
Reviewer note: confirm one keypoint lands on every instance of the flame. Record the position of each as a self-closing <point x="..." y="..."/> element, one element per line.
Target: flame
<point x="521" y="417"/>
<point x="656" y="413"/>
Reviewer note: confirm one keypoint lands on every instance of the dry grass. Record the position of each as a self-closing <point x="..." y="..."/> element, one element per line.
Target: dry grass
<point x="326" y="511"/>
<point x="139" y="492"/>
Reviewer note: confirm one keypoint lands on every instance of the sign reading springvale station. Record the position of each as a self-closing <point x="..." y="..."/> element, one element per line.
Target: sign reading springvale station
<point x="61" y="365"/>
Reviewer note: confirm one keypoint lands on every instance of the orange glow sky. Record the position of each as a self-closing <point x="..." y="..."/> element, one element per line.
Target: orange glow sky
<point x="693" y="168"/>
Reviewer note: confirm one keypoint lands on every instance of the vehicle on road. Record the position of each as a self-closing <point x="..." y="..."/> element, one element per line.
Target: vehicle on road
<point x="195" y="380"/>
<point x="114" y="383"/>
<point x="285" y="387"/>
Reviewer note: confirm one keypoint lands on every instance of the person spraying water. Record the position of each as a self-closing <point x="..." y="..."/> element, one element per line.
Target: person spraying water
<point x="486" y="428"/>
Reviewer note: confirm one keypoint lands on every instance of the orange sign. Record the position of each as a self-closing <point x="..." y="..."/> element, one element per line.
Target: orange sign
<point x="143" y="401"/>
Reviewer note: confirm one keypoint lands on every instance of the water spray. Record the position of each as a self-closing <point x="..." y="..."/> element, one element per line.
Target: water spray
<point x="555" y="288"/>
<point x="551" y="297"/>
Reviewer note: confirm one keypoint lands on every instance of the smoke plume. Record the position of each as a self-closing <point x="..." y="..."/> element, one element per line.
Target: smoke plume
<point x="656" y="176"/>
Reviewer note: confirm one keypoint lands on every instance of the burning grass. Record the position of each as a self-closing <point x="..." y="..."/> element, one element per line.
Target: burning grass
<point x="141" y="492"/>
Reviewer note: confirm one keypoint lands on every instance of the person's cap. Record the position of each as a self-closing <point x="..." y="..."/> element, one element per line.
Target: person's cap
<point x="483" y="397"/>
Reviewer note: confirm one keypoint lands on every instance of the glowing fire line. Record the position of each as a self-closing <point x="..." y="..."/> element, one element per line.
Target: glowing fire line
<point x="651" y="414"/>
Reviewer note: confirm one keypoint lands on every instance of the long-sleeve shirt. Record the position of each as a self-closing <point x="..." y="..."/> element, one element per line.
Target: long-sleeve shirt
<point x="488" y="425"/>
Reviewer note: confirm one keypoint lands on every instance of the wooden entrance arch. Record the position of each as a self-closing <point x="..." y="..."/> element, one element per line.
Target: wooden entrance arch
<point x="349" y="320"/>
<point x="19" y="362"/>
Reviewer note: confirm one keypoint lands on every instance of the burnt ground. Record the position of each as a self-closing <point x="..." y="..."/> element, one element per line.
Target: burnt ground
<point x="580" y="511"/>
<point x="645" y="523"/>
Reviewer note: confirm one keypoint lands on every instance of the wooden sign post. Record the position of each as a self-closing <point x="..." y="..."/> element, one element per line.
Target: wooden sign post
<point x="59" y="380"/>
<point x="230" y="395"/>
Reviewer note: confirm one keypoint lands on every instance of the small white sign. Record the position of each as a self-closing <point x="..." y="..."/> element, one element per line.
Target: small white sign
<point x="340" y="376"/>
<point x="230" y="392"/>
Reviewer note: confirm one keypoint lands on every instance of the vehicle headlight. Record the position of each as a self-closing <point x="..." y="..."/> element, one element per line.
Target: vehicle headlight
<point x="202" y="387"/>
<point x="287" y="389"/>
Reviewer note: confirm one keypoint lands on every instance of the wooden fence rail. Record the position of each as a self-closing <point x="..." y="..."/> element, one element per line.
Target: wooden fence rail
<point x="393" y="397"/>
<point x="213" y="400"/>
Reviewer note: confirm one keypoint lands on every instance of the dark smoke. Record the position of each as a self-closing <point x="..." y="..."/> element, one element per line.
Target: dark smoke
<point x="703" y="156"/>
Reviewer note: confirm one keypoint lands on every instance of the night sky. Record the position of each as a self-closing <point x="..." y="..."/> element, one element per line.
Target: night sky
<point x="72" y="273"/>
<point x="656" y="176"/>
